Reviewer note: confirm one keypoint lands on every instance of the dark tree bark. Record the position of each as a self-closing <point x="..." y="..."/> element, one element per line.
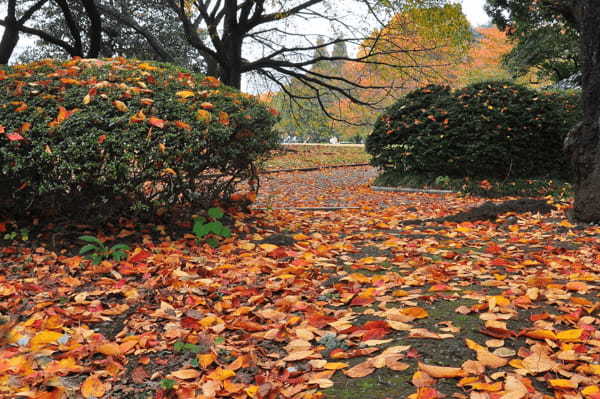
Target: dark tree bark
<point x="74" y="49"/>
<point x="12" y="27"/>
<point x="95" y="30"/>
<point x="228" y="25"/>
<point x="128" y="20"/>
<point x="582" y="144"/>
<point x="10" y="38"/>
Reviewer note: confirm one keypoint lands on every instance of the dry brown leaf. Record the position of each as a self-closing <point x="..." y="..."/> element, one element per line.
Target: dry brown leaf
<point x="399" y="326"/>
<point x="360" y="370"/>
<point x="299" y="355"/>
<point x="514" y="388"/>
<point x="376" y="342"/>
<point x="304" y="334"/>
<point x="210" y="388"/>
<point x="441" y="372"/>
<point x="473" y="367"/>
<point x="393" y="350"/>
<point x="186" y="374"/>
<point x="538" y="363"/>
<point x="139" y="375"/>
<point x="323" y="383"/>
<point x="298" y="345"/>
<point x="317" y="364"/>
<point x="92" y="387"/>
<point x="494" y="343"/>
<point x="109" y="349"/>
<point x="463" y="310"/>
<point x="490" y="360"/>
<point x="505" y="352"/>
<point x="393" y="362"/>
<point x="424" y="333"/>
<point x="206" y="360"/>
<point x="421" y="379"/>
<point x="378" y="362"/>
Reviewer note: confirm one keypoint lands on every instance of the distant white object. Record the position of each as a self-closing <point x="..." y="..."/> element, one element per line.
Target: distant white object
<point x="333" y="140"/>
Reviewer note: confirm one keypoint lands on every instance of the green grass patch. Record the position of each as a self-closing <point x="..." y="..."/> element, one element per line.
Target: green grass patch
<point x="309" y="156"/>
<point x="487" y="188"/>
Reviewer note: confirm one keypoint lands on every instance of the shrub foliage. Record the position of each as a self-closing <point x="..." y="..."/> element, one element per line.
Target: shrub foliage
<point x="119" y="135"/>
<point x="488" y="130"/>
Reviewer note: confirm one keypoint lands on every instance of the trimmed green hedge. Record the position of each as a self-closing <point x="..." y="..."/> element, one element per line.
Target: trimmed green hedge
<point x="486" y="130"/>
<point x="120" y="136"/>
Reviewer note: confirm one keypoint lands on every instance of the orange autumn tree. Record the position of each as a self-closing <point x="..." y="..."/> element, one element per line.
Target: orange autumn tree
<point x="456" y="66"/>
<point x="436" y="38"/>
<point x="484" y="61"/>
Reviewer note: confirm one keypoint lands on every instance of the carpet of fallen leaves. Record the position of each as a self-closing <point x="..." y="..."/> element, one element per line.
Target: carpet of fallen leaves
<point x="311" y="156"/>
<point x="309" y="304"/>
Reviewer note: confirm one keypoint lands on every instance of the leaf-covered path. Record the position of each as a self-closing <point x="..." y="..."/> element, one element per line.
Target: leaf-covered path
<point x="297" y="304"/>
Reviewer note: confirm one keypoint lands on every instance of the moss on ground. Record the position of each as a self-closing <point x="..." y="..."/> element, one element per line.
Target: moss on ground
<point x="383" y="383"/>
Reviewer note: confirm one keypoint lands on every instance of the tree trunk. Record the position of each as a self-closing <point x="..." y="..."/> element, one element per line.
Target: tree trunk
<point x="582" y="143"/>
<point x="9" y="41"/>
<point x="95" y="29"/>
<point x="231" y="74"/>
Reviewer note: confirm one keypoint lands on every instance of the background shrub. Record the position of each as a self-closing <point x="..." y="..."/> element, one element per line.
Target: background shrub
<point x="486" y="130"/>
<point x="113" y="136"/>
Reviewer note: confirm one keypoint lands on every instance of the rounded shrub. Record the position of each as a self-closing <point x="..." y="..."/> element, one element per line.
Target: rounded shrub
<point x="488" y="130"/>
<point x="119" y="136"/>
<point x="410" y="116"/>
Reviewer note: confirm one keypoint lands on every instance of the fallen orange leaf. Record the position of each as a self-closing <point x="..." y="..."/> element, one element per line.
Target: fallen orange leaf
<point x="441" y="372"/>
<point x="360" y="370"/>
<point x="92" y="387"/>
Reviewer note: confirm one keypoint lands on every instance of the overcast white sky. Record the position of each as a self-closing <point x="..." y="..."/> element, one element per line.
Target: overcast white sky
<point x="473" y="9"/>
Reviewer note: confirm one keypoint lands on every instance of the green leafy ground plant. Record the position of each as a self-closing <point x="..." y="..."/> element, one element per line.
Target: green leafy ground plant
<point x="97" y="252"/>
<point x="212" y="228"/>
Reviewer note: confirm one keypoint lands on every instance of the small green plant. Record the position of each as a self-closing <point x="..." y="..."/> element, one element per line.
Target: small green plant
<point x="97" y="251"/>
<point x="209" y="229"/>
<point x="167" y="384"/>
<point x="180" y="346"/>
<point x="22" y="234"/>
<point x="443" y="181"/>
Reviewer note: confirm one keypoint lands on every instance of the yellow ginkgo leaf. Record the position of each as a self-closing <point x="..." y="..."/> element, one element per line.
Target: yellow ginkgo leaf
<point x="569" y="335"/>
<point x="221" y="374"/>
<point x="268" y="247"/>
<point x="109" y="349"/>
<point x="184" y="94"/>
<point x="120" y="105"/>
<point x="203" y="115"/>
<point x="92" y="387"/>
<point x="43" y="338"/>
<point x="168" y="171"/>
<point x="563" y="383"/>
<point x="206" y="360"/>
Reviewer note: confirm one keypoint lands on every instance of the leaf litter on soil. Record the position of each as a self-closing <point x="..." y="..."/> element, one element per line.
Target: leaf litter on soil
<point x="313" y="304"/>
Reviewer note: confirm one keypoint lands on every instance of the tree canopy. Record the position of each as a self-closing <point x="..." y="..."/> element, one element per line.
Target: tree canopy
<point x="545" y="37"/>
<point x="434" y="38"/>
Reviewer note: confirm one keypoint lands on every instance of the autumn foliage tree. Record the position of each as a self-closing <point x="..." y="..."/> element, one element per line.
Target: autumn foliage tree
<point x="433" y="38"/>
<point x="542" y="43"/>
